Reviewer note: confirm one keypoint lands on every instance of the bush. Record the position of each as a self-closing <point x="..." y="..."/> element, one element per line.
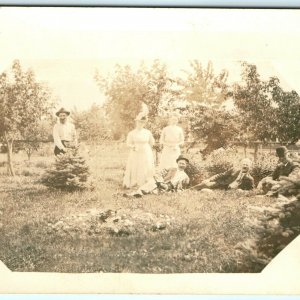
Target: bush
<point x="69" y="172"/>
<point x="27" y="173"/>
<point x="221" y="160"/>
<point x="46" y="150"/>
<point x="275" y="228"/>
<point x="195" y="173"/>
<point x="263" y="167"/>
<point x="41" y="164"/>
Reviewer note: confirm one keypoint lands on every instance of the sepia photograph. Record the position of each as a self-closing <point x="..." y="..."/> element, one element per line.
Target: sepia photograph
<point x="148" y="140"/>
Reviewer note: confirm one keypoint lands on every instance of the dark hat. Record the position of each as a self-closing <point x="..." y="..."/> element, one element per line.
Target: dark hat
<point x="62" y="110"/>
<point x="181" y="157"/>
<point x="281" y="151"/>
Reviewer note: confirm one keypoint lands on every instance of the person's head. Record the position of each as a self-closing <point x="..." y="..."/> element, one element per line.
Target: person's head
<point x="62" y="115"/>
<point x="182" y="162"/>
<point x="173" y="119"/>
<point x="140" y="122"/>
<point x="281" y="153"/>
<point x="246" y="165"/>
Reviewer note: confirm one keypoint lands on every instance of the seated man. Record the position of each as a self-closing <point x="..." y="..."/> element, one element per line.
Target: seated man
<point x="171" y="179"/>
<point x="231" y="179"/>
<point x="285" y="167"/>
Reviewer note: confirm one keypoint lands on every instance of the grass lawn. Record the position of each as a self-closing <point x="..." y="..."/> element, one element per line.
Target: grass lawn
<point x="201" y="235"/>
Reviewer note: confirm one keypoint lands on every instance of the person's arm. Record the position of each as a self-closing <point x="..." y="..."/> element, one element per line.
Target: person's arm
<point x="247" y="182"/>
<point x="160" y="174"/>
<point x="276" y="173"/>
<point x="56" y="138"/>
<point x="130" y="142"/>
<point x="186" y="181"/>
<point x="220" y="175"/>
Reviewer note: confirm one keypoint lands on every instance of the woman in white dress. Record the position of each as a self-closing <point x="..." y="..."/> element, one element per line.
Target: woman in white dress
<point x="172" y="137"/>
<point x="140" y="163"/>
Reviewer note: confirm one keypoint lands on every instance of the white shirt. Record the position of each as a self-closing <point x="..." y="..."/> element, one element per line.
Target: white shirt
<point x="64" y="132"/>
<point x="180" y="177"/>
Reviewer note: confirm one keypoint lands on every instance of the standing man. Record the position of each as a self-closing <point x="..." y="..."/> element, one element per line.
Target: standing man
<point x="64" y="133"/>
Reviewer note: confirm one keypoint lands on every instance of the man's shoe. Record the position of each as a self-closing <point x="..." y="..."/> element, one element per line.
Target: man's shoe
<point x="137" y="195"/>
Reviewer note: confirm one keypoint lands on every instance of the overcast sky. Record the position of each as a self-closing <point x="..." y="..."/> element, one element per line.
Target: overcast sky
<point x="65" y="46"/>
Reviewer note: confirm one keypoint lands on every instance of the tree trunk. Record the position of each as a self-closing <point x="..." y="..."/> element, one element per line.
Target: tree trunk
<point x="28" y="152"/>
<point x="256" y="146"/>
<point x="10" y="168"/>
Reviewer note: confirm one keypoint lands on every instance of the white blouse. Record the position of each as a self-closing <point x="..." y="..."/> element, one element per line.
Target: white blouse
<point x="64" y="132"/>
<point x="172" y="135"/>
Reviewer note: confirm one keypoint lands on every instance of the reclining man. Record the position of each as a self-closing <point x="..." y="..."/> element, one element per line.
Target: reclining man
<point x="171" y="179"/>
<point x="285" y="168"/>
<point x="232" y="179"/>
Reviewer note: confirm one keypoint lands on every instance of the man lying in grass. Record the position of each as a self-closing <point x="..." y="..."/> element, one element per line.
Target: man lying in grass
<point x="234" y="178"/>
<point x="285" y="168"/>
<point x="167" y="180"/>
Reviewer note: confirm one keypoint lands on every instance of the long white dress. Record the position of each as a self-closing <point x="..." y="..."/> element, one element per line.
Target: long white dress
<point x="140" y="164"/>
<point x="171" y="138"/>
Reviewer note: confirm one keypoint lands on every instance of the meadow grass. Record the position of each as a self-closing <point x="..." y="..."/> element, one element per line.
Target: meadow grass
<point x="203" y="236"/>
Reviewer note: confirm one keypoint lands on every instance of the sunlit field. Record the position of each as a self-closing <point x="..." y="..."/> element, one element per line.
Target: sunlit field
<point x="101" y="231"/>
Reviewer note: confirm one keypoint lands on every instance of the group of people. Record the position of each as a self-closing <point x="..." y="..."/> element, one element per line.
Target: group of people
<point x="143" y="177"/>
<point x="140" y="164"/>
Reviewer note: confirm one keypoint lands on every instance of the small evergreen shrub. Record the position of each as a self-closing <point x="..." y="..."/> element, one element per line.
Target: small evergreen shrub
<point x="70" y="172"/>
<point x="275" y="228"/>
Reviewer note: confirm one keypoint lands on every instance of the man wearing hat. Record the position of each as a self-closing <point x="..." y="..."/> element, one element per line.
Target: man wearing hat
<point x="171" y="179"/>
<point x="234" y="178"/>
<point x="64" y="133"/>
<point x="285" y="167"/>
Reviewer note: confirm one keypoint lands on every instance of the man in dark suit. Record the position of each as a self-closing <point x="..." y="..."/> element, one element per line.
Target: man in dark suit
<point x="232" y="179"/>
<point x="285" y="168"/>
<point x="171" y="179"/>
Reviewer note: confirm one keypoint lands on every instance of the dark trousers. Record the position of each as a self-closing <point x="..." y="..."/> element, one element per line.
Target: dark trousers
<point x="58" y="151"/>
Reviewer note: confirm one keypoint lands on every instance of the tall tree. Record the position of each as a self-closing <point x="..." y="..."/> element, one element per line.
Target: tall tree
<point x="206" y="92"/>
<point x="35" y="135"/>
<point x="127" y="89"/>
<point x="202" y="86"/>
<point x="92" y="125"/>
<point x="287" y="114"/>
<point x="267" y="111"/>
<point x="254" y="101"/>
<point x="216" y="127"/>
<point x="23" y="102"/>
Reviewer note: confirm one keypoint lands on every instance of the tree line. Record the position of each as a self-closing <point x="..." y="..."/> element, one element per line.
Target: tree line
<point x="260" y="110"/>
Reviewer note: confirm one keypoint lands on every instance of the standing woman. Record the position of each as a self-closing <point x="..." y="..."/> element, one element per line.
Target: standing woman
<point x="172" y="137"/>
<point x="140" y="163"/>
